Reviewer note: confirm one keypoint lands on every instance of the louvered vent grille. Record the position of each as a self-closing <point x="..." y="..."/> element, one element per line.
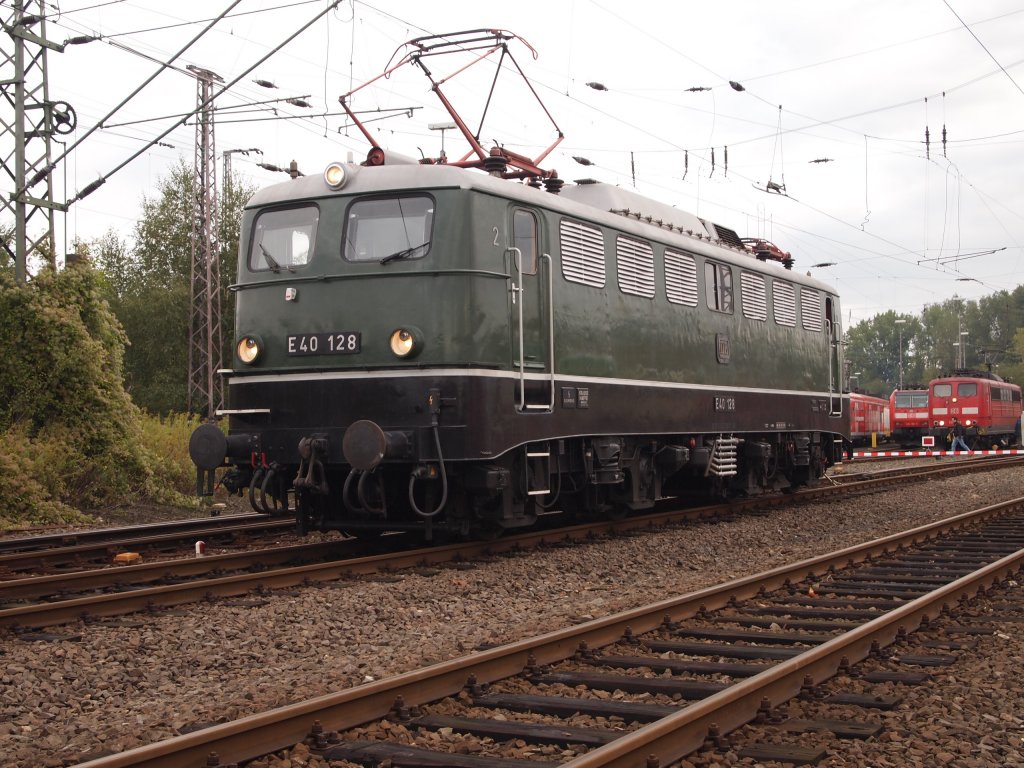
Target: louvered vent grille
<point x="754" y="296"/>
<point x="785" y="303"/>
<point x="680" y="278"/>
<point x="635" y="263"/>
<point x="582" y="253"/>
<point x="728" y="236"/>
<point x="810" y="310"/>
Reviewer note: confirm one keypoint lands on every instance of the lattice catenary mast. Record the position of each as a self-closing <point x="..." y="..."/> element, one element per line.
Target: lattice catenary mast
<point x="204" y="352"/>
<point x="29" y="118"/>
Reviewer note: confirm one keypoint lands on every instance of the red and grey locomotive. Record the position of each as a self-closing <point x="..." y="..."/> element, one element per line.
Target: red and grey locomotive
<point x="909" y="416"/>
<point x="988" y="408"/>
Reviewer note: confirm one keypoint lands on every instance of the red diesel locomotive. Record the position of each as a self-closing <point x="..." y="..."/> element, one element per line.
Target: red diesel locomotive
<point x="988" y="407"/>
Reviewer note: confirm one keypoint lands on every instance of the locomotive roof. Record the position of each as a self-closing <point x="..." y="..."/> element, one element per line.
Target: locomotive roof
<point x="605" y="203"/>
<point x="970" y="374"/>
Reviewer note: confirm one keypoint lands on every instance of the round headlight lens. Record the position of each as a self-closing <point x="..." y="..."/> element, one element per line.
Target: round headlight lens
<point x="404" y="342"/>
<point x="334" y="175"/>
<point x="248" y="350"/>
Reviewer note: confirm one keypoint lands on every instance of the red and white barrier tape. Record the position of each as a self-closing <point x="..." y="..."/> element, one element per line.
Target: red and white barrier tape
<point x="902" y="454"/>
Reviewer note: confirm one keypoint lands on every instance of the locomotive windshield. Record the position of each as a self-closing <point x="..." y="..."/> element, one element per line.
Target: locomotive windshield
<point x="967" y="389"/>
<point x="283" y="239"/>
<point x="911" y="399"/>
<point x="389" y="229"/>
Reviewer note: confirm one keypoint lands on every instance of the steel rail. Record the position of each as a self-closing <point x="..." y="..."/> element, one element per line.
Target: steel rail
<point x="113" y="535"/>
<point x="678" y="735"/>
<point x="94" y="606"/>
<point x="106" y="578"/>
<point x="15" y="561"/>
<point x="666" y="739"/>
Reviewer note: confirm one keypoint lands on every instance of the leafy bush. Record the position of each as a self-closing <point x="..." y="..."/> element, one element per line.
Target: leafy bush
<point x="70" y="436"/>
<point x="23" y="489"/>
<point x="167" y="437"/>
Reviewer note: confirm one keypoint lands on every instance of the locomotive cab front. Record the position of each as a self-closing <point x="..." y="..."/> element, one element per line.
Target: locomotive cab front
<point x="365" y="308"/>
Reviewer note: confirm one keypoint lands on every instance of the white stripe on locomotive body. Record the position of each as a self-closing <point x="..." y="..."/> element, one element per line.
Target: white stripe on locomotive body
<point x="970" y="410"/>
<point x="940" y="411"/>
<point x="590" y="202"/>
<point x="482" y="373"/>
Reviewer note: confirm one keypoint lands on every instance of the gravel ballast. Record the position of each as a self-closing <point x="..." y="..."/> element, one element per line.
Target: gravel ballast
<point x="120" y="683"/>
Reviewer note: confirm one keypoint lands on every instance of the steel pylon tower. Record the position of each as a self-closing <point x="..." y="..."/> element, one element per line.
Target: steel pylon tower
<point x="29" y="118"/>
<point x="205" y="392"/>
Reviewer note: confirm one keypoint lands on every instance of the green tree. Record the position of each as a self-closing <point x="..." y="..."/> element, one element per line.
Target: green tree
<point x="943" y="326"/>
<point x="1012" y="368"/>
<point x="956" y="333"/>
<point x="873" y="351"/>
<point x="150" y="286"/>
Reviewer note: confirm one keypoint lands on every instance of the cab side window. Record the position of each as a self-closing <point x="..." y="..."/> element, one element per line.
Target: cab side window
<point x="718" y="286"/>
<point x="524" y="237"/>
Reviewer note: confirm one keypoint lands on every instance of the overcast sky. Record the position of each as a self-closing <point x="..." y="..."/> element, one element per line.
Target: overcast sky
<point x="852" y="85"/>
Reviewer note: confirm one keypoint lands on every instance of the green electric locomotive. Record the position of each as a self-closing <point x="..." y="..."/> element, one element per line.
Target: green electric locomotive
<point x="430" y="347"/>
<point x="467" y="346"/>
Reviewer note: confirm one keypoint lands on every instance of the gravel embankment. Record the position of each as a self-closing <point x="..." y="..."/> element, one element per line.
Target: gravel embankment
<point x="123" y="682"/>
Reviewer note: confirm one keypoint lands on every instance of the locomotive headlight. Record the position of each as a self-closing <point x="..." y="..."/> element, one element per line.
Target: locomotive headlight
<point x="406" y="342"/>
<point x="248" y="349"/>
<point x="968" y="423"/>
<point x="335" y="175"/>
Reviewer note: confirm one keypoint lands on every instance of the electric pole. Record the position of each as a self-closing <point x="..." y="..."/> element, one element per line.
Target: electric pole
<point x="227" y="153"/>
<point x="29" y="117"/>
<point x="204" y="352"/>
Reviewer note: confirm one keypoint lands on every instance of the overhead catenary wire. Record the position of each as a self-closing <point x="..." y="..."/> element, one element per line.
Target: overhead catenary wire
<point x="88" y="189"/>
<point x="643" y="169"/>
<point x="984" y="47"/>
<point x="136" y="52"/>
<point x="229" y="107"/>
<point x="133" y="94"/>
<point x="191" y="23"/>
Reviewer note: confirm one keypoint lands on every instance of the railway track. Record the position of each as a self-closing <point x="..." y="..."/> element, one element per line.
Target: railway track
<point x="40" y="601"/>
<point x="654" y="684"/>
<point x="131" y="533"/>
<point x="63" y="553"/>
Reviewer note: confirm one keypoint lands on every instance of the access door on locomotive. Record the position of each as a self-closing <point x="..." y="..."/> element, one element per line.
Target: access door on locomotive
<point x="530" y="310"/>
